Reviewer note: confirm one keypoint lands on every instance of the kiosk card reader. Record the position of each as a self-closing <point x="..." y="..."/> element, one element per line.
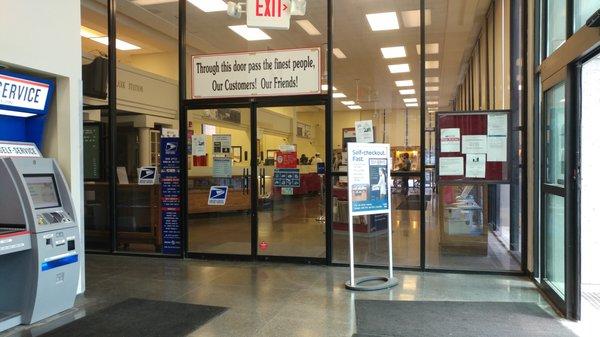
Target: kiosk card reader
<point x="39" y="238"/>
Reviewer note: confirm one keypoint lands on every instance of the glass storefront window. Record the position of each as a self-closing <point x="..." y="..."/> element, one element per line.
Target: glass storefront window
<point x="555" y="135"/>
<point x="583" y="10"/>
<point x="556" y="24"/>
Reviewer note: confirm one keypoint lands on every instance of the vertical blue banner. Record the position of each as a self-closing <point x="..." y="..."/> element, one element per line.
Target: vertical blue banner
<point x="170" y="195"/>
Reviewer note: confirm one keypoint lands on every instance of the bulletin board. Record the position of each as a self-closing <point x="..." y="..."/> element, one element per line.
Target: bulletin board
<point x="473" y="147"/>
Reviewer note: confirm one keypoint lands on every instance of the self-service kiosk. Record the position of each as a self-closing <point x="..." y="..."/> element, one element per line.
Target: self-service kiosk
<point x="39" y="238"/>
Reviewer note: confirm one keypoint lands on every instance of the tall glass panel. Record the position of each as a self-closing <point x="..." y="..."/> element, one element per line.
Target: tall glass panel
<point x="556" y="24"/>
<point x="377" y="77"/>
<point x="147" y="110"/>
<point x="555" y="135"/>
<point x="291" y="208"/>
<point x="554" y="243"/>
<point x="583" y="10"/>
<point x="220" y="149"/>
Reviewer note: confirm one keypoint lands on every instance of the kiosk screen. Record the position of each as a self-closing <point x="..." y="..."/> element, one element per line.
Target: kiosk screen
<point x="42" y="190"/>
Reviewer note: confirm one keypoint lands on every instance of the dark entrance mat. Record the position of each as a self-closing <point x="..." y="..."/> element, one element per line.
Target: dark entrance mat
<point x="139" y="317"/>
<point x="464" y="319"/>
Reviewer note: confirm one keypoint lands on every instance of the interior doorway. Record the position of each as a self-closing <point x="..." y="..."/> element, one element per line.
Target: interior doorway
<point x="271" y="159"/>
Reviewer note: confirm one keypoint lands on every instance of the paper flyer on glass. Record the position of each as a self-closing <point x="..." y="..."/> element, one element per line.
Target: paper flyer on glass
<point x="368" y="178"/>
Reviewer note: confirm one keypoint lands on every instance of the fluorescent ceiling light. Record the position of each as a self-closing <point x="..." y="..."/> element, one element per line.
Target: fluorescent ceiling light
<point x="407" y="92"/>
<point x="432" y="79"/>
<point x="89" y="33"/>
<point x="432" y="103"/>
<point x="432" y="88"/>
<point x="432" y="64"/>
<point x="324" y="87"/>
<point x="348" y="102"/>
<point x="430" y="48"/>
<point x="383" y="21"/>
<point x="412" y="19"/>
<point x="399" y="68"/>
<point x="404" y="83"/>
<point x="338" y="95"/>
<point x="410" y="100"/>
<point x="15" y="113"/>
<point x="338" y="53"/>
<point x="120" y="44"/>
<point x="393" y="52"/>
<point x="209" y="6"/>
<point x="411" y="105"/>
<point x="355" y="107"/>
<point x="250" y="34"/>
<point x="308" y="27"/>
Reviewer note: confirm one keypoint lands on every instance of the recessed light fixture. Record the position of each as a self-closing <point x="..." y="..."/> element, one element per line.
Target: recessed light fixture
<point x="324" y="87"/>
<point x="354" y="107"/>
<point x="432" y="79"/>
<point x="250" y="34"/>
<point x="393" y="52"/>
<point x="209" y="6"/>
<point x="338" y="95"/>
<point x="120" y="44"/>
<point x="430" y="48"/>
<point x="348" y="102"/>
<point x="411" y="105"/>
<point x="407" y="92"/>
<point x="308" y="27"/>
<point x="89" y="33"/>
<point x="410" y="100"/>
<point x="432" y="88"/>
<point x="383" y="21"/>
<point x="404" y="83"/>
<point x="412" y="19"/>
<point x="338" y="53"/>
<point x="432" y="64"/>
<point x="399" y="68"/>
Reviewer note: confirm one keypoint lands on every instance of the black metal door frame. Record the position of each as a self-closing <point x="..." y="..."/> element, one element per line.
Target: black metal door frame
<point x="253" y="104"/>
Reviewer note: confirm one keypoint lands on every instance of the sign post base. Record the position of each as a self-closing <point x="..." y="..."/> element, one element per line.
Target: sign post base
<point x="388" y="282"/>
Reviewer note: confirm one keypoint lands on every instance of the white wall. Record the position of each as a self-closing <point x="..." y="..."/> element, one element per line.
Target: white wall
<point x="42" y="37"/>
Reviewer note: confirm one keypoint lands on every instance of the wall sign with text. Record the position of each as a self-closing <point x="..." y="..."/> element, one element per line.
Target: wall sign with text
<point x="25" y="94"/>
<point x="264" y="73"/>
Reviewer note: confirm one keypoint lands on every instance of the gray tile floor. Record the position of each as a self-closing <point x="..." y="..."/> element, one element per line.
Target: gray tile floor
<point x="270" y="299"/>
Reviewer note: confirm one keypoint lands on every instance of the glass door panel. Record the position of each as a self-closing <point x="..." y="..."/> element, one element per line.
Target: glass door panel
<point x="291" y="208"/>
<point x="219" y="155"/>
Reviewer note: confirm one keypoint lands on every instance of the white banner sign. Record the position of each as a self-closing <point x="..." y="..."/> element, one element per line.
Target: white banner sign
<point x="274" y="14"/>
<point x="267" y="73"/>
<point x="9" y="149"/>
<point x="23" y="93"/>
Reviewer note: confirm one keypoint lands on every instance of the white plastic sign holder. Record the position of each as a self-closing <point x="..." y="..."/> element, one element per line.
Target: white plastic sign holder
<point x="366" y="165"/>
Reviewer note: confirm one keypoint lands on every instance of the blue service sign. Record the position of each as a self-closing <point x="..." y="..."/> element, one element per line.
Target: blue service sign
<point x="320" y="168"/>
<point x="286" y="177"/>
<point x="217" y="195"/>
<point x="25" y="94"/>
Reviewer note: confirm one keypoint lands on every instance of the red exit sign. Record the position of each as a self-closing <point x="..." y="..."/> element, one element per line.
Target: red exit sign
<point x="273" y="14"/>
<point x="271" y="8"/>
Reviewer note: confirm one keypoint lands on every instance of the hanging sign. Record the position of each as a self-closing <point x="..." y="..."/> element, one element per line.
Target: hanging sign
<point x="274" y="14"/>
<point x="222" y="145"/>
<point x="364" y="131"/>
<point x="263" y="73"/>
<point x="25" y="94"/>
<point x="199" y="145"/>
<point x="286" y="177"/>
<point x="368" y="178"/>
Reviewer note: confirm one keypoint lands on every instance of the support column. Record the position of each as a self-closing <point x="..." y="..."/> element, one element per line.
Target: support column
<point x="144" y="141"/>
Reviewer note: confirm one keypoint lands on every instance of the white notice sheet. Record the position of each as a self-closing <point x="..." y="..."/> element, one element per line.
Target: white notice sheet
<point x="496" y="148"/>
<point x="475" y="166"/>
<point x="450" y="140"/>
<point x="451" y="166"/>
<point x="497" y="124"/>
<point x="474" y="144"/>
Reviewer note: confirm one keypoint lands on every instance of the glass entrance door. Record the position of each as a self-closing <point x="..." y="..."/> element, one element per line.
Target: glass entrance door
<point x="219" y="154"/>
<point x="291" y="205"/>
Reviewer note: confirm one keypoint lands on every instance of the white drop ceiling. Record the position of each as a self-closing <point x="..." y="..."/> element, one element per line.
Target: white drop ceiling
<point x="363" y="76"/>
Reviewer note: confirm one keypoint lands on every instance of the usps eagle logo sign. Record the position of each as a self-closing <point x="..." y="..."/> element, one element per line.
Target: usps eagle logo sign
<point x="217" y="195"/>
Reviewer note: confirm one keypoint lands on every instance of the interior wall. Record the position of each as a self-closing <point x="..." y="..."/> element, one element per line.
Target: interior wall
<point x="42" y="37"/>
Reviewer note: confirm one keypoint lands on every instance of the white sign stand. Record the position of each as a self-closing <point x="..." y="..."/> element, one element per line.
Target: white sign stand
<point x="368" y="171"/>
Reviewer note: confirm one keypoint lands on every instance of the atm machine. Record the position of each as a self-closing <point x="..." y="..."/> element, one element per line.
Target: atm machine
<point x="39" y="238"/>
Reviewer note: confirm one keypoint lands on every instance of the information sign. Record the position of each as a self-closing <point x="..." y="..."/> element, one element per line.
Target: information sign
<point x="217" y="195"/>
<point x="368" y="178"/>
<point x="170" y="195"/>
<point x="286" y="177"/>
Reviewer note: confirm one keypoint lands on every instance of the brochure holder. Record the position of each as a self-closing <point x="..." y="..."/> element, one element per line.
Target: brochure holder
<point x="369" y="192"/>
